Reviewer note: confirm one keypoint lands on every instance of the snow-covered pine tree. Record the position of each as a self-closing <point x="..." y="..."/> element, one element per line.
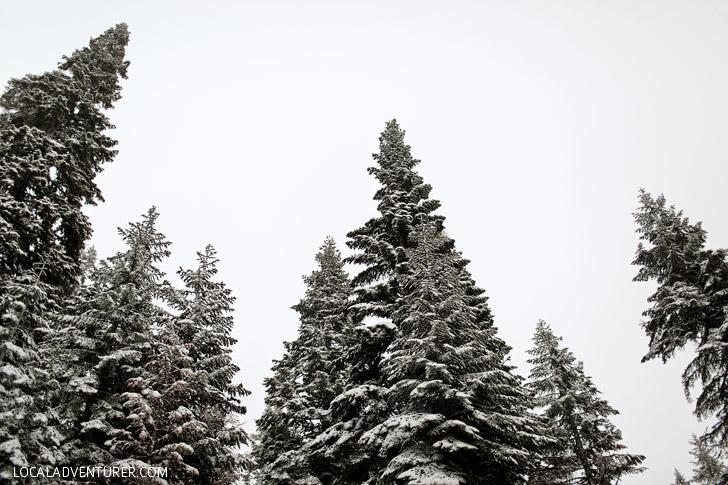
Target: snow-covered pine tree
<point x="708" y="467"/>
<point x="456" y="413"/>
<point x="29" y="423"/>
<point x="690" y="304"/>
<point x="680" y="478"/>
<point x="403" y="204"/>
<point x="108" y="343"/>
<point x="52" y="144"/>
<point x="204" y="325"/>
<point x="340" y="454"/>
<point x="308" y="376"/>
<point x="158" y="402"/>
<point x="590" y="450"/>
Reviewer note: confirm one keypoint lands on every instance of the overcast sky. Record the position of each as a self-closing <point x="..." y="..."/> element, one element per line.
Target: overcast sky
<point x="250" y="126"/>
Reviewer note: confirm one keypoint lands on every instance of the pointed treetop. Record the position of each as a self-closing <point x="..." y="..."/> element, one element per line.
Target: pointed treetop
<point x="101" y="64"/>
<point x="393" y="148"/>
<point x="328" y="280"/>
<point x="674" y="242"/>
<point x="329" y="257"/>
<point x="207" y="261"/>
<point x="396" y="164"/>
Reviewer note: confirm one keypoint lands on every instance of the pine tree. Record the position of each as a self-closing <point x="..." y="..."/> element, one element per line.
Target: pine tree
<point x="349" y="450"/>
<point x="680" y="479"/>
<point x="109" y="342"/>
<point x="52" y="143"/>
<point x="590" y="451"/>
<point x="708" y="468"/>
<point x="456" y="413"/>
<point x="204" y="327"/>
<point x="163" y="428"/>
<point x="404" y="203"/>
<point x="308" y="376"/>
<point x="689" y="305"/>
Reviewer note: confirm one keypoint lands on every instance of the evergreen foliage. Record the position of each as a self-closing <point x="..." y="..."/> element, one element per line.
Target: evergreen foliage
<point x="29" y="424"/>
<point x="456" y="413"/>
<point x="94" y="370"/>
<point x="708" y="466"/>
<point x="204" y="326"/>
<point x="403" y="204"/>
<point x="429" y="396"/>
<point x="308" y="376"/>
<point x="680" y="479"/>
<point x="590" y="450"/>
<point x="52" y="144"/>
<point x="109" y="345"/>
<point x="148" y="387"/>
<point x="690" y="304"/>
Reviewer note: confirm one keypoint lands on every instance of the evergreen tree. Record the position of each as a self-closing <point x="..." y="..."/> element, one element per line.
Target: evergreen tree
<point x="680" y="479"/>
<point x="590" y="451"/>
<point x="150" y="388"/>
<point x="204" y="326"/>
<point x="350" y="450"/>
<point x="109" y="342"/>
<point x="456" y="413"/>
<point x="708" y="468"/>
<point x="308" y="376"/>
<point x="690" y="304"/>
<point x="162" y="429"/>
<point x="403" y="204"/>
<point x="52" y="144"/>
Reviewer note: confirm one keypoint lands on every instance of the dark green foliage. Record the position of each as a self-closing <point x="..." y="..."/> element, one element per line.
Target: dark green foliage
<point x="95" y="369"/>
<point x="680" y="479"/>
<point x="203" y="328"/>
<point x="403" y="204"/>
<point x="589" y="450"/>
<point x="52" y="144"/>
<point x="428" y="395"/>
<point x="308" y="376"/>
<point x="109" y="345"/>
<point x="149" y="387"/>
<point x="29" y="422"/>
<point x="709" y="467"/>
<point x="456" y="413"/>
<point x="689" y="305"/>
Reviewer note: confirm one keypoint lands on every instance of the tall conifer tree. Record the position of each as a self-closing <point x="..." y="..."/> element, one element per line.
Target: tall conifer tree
<point x="456" y="413"/>
<point x="204" y="326"/>
<point x="52" y="144"/>
<point x="690" y="304"/>
<point x="109" y="344"/>
<point x="590" y="450"/>
<point x="375" y="402"/>
<point x="308" y="376"/>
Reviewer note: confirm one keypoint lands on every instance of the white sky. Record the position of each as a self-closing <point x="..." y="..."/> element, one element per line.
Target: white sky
<point x="250" y="126"/>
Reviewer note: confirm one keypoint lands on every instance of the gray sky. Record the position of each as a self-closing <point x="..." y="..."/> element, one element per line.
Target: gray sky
<point x="250" y="126"/>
